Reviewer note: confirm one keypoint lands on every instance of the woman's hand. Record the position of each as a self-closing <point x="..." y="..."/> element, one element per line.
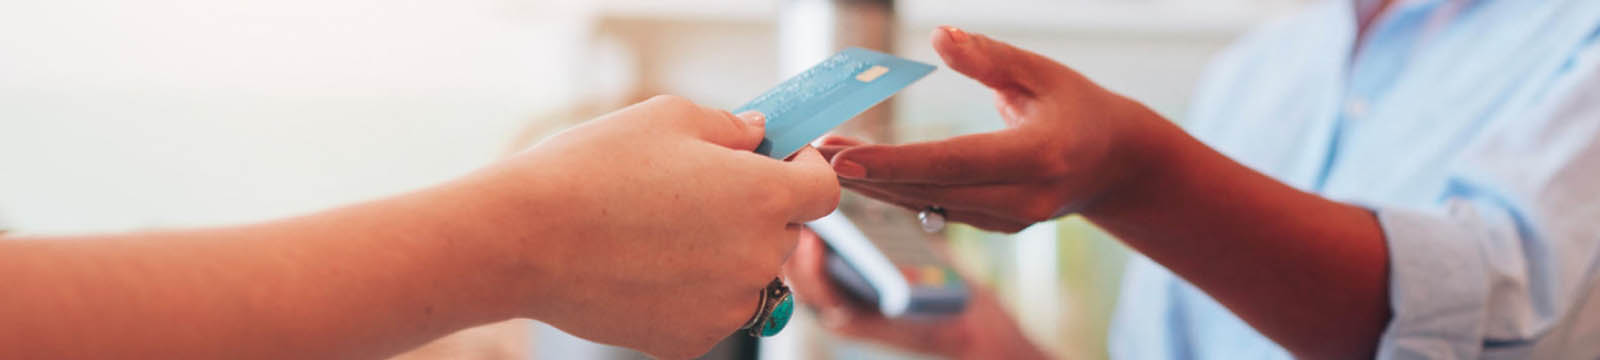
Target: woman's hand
<point x="654" y="227"/>
<point x="983" y="331"/>
<point x="1068" y="142"/>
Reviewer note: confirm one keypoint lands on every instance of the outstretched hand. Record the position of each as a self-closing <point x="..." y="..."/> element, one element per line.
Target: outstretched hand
<point x="1074" y="147"/>
<point x="1067" y="141"/>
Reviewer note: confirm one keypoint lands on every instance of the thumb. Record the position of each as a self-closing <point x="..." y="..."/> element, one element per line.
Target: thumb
<point x="996" y="64"/>
<point x="739" y="132"/>
<point x="717" y="126"/>
<point x="813" y="180"/>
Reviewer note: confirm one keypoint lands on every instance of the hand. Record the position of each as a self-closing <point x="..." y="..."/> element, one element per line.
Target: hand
<point x="983" y="331"/>
<point x="657" y="225"/>
<point x="1068" y="141"/>
<point x="654" y="227"/>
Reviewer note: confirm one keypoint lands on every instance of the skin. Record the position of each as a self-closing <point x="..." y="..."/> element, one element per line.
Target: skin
<point x="1309" y="273"/>
<point x="654" y="228"/>
<point x="983" y="331"/>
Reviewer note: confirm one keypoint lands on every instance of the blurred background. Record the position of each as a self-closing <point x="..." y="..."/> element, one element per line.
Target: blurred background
<point x="126" y="115"/>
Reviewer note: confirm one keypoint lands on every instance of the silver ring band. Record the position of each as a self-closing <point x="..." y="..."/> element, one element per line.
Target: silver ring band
<point x="932" y="218"/>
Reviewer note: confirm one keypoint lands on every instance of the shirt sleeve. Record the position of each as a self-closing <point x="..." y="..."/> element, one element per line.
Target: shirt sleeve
<point x="1515" y="251"/>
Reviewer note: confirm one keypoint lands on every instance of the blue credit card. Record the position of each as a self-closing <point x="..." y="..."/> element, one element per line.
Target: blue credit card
<point x="807" y="105"/>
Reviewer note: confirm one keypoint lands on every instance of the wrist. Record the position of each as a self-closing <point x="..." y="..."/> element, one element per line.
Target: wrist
<point x="496" y="240"/>
<point x="1144" y="154"/>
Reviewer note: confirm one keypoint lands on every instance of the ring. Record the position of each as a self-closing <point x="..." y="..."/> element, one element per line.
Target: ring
<point x="777" y="306"/>
<point x="932" y="218"/>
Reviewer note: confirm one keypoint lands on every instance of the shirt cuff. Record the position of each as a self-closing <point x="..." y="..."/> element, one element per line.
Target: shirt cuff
<point x="1437" y="286"/>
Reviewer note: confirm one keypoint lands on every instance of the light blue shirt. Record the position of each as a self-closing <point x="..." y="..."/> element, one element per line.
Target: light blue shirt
<point x="1472" y="130"/>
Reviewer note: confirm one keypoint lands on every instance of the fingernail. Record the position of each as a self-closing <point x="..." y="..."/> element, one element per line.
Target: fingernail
<point x="849" y="169"/>
<point x="956" y="35"/>
<point x="753" y="118"/>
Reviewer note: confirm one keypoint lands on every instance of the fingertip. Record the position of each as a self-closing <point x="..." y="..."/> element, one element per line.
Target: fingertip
<point x="830" y="151"/>
<point x="839" y="140"/>
<point x="849" y="169"/>
<point x="755" y="125"/>
<point x="956" y="34"/>
<point x="718" y="126"/>
<point x="808" y="154"/>
<point x="947" y="36"/>
<point x="750" y="128"/>
<point x="845" y="163"/>
<point x="950" y="49"/>
<point x="754" y="118"/>
<point x="994" y="63"/>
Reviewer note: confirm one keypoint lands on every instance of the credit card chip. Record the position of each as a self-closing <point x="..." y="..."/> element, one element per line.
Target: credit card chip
<point x="872" y="73"/>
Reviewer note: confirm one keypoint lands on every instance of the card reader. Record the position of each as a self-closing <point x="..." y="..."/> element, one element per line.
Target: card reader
<point x="899" y="273"/>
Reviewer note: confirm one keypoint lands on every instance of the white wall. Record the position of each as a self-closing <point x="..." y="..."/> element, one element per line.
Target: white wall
<point x="132" y="114"/>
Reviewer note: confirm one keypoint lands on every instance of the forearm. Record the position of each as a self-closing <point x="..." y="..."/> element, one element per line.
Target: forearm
<point x="362" y="281"/>
<point x="1307" y="272"/>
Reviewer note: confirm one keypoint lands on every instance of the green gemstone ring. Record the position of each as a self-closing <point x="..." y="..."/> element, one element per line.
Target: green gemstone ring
<point x="777" y="306"/>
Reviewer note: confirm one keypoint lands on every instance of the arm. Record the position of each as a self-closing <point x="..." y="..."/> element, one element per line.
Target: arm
<point x="653" y="228"/>
<point x="358" y="282"/>
<point x="1073" y="147"/>
<point x="1504" y="263"/>
<point x="1307" y="272"/>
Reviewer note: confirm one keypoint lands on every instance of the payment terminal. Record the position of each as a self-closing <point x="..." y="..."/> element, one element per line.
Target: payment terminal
<point x="898" y="272"/>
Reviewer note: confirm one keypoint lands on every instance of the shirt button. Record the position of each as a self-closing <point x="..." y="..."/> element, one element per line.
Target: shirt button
<point x="1355" y="108"/>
